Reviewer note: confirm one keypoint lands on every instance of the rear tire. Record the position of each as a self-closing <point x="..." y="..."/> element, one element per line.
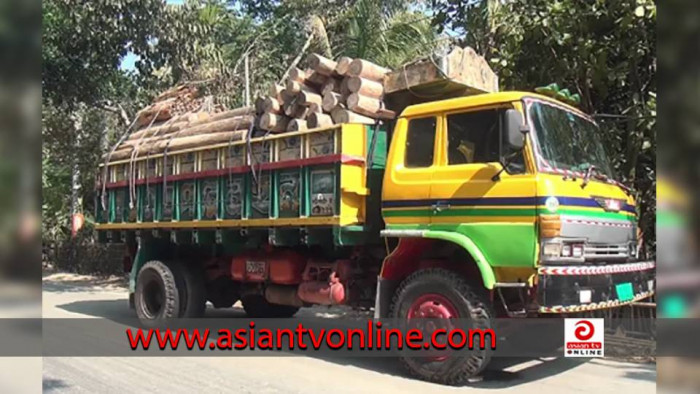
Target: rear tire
<point x="190" y="280"/>
<point x="258" y="306"/>
<point x="463" y="300"/>
<point x="157" y="297"/>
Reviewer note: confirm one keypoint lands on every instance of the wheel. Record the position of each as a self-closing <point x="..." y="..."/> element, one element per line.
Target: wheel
<point x="257" y="306"/>
<point x="190" y="279"/>
<point x="157" y="296"/>
<point x="443" y="294"/>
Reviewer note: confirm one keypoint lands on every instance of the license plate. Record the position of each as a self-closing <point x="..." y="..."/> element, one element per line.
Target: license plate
<point x="255" y="267"/>
<point x="624" y="291"/>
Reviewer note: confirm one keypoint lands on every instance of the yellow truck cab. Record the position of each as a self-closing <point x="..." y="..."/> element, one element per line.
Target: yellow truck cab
<point x="522" y="184"/>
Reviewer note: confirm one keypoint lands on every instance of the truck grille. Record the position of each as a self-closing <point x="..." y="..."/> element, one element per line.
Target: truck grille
<point x="606" y="251"/>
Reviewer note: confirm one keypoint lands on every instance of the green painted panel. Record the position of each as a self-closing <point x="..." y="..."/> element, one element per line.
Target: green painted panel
<point x="452" y="212"/>
<point x="501" y="244"/>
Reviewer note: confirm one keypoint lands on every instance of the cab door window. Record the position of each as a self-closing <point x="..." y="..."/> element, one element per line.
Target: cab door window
<point x="475" y="137"/>
<point x="420" y="142"/>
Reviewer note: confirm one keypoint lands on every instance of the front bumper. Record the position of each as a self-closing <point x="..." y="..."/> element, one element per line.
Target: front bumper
<point x="568" y="289"/>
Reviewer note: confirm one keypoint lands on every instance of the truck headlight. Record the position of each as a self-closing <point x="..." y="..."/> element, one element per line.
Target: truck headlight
<point x="551" y="249"/>
<point x="566" y="251"/>
<point x="577" y="250"/>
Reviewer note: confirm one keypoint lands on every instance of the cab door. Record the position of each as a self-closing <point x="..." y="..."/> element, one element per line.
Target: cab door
<point x="469" y="194"/>
<point x="411" y="162"/>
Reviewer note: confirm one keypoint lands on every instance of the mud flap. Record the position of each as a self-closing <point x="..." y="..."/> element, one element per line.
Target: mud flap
<point x="382" y="301"/>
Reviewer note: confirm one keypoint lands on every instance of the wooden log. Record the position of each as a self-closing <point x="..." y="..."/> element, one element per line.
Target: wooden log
<point x="307" y="98"/>
<point x="344" y="87"/>
<point x="300" y="111"/>
<point x="365" y="87"/>
<point x="297" y="125"/>
<point x="275" y="91"/>
<point x="296" y="87"/>
<point x="286" y="96"/>
<point x="180" y="143"/>
<point x="331" y="100"/>
<point x="313" y="107"/>
<point x="316" y="79"/>
<point x="172" y="128"/>
<point x="366" y="69"/>
<point x="297" y="75"/>
<point x="316" y="120"/>
<point x="237" y="123"/>
<point x="273" y="122"/>
<point x="340" y="116"/>
<point x="259" y="105"/>
<point x="331" y="85"/>
<point x="342" y="65"/>
<point x="289" y="108"/>
<point x="365" y="104"/>
<point x="321" y="65"/>
<point x="271" y="104"/>
<point x="369" y="106"/>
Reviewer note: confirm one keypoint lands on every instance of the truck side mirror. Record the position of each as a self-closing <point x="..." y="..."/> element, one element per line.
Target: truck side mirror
<point x="514" y="130"/>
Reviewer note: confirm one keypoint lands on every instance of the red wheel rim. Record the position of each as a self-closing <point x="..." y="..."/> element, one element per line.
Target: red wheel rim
<point x="432" y="306"/>
<point x="439" y="310"/>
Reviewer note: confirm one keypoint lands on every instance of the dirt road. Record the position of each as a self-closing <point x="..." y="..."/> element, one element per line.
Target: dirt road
<point x="75" y="296"/>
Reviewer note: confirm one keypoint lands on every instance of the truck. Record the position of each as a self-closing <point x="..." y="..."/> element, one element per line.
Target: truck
<point x="491" y="205"/>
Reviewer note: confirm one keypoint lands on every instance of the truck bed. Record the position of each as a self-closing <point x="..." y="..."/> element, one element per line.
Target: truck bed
<point x="291" y="188"/>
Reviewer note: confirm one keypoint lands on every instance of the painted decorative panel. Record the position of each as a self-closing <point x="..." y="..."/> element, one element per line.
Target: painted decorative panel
<point x="289" y="148"/>
<point x="187" y="162"/>
<point x="235" y="156"/>
<point x="289" y="197"/>
<point x="210" y="160"/>
<point x="260" y="196"/>
<point x="209" y="198"/>
<point x="168" y="198"/>
<point x="322" y="193"/>
<point x="186" y="200"/>
<point x="233" y="203"/>
<point x="322" y="143"/>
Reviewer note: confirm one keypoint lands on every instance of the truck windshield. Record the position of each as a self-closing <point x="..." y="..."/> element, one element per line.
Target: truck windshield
<point x="567" y="141"/>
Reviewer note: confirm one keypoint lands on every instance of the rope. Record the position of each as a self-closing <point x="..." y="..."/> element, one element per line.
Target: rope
<point x="111" y="152"/>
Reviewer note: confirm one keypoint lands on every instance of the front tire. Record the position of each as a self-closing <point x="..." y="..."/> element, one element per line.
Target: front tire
<point x="157" y="297"/>
<point x="439" y="293"/>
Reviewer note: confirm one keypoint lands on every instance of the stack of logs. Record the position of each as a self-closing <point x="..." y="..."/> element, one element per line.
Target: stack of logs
<point x="328" y="92"/>
<point x="187" y="131"/>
